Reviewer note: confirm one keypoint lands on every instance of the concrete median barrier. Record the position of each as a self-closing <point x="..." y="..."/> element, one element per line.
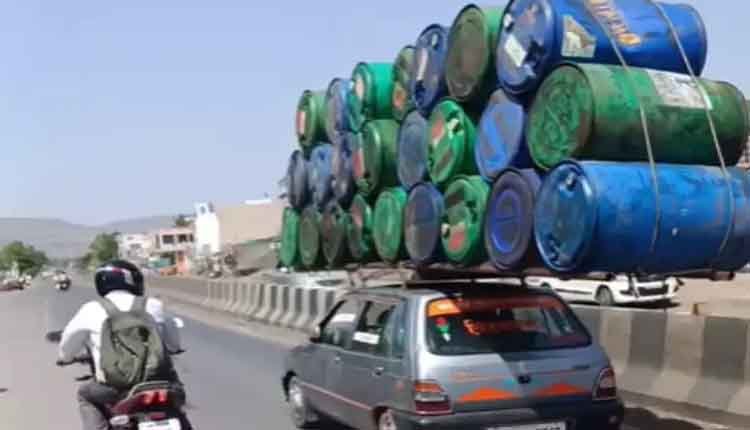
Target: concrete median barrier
<point x="702" y="362"/>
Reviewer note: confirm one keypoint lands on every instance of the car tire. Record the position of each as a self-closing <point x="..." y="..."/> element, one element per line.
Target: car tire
<point x="302" y="415"/>
<point x="386" y="421"/>
<point x="604" y="296"/>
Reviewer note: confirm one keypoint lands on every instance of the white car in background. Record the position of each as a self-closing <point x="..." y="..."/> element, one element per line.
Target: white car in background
<point x="617" y="291"/>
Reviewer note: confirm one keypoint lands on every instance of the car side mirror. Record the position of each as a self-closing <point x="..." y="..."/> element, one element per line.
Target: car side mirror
<point x="316" y="335"/>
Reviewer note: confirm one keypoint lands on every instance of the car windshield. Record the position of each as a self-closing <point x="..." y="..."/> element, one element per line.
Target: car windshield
<point x="481" y="324"/>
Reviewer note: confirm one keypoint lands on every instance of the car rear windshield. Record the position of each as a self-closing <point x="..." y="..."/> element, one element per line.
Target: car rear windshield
<point x="482" y="324"/>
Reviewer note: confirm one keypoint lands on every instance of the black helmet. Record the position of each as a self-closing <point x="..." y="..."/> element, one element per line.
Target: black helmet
<point x="118" y="275"/>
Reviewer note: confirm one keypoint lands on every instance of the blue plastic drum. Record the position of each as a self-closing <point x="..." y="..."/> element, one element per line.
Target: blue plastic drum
<point x="297" y="174"/>
<point x="428" y="75"/>
<point x="336" y="122"/>
<point x="320" y="175"/>
<point x="412" y="150"/>
<point x="343" y="185"/>
<point x="602" y="217"/>
<point x="422" y="224"/>
<point x="537" y="35"/>
<point x="501" y="137"/>
<point x="509" y="223"/>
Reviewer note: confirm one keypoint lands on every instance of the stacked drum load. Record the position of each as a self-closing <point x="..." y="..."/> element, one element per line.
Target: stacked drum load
<point x="572" y="135"/>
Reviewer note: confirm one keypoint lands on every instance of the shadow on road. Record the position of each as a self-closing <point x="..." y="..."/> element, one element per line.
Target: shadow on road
<point x="644" y="419"/>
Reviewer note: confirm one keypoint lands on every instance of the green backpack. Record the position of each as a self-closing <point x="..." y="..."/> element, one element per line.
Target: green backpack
<point x="131" y="349"/>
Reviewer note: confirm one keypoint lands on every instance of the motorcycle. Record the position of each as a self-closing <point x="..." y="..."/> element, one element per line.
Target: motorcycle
<point x="62" y="285"/>
<point x="154" y="405"/>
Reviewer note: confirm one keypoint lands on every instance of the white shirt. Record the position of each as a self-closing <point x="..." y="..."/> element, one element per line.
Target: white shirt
<point x="84" y="330"/>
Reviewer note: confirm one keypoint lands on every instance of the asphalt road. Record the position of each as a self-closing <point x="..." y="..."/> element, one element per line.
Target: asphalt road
<point x="232" y="377"/>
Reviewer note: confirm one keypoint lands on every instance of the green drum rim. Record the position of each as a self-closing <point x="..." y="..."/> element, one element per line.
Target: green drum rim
<point x="463" y="220"/>
<point x="561" y="117"/>
<point x="359" y="231"/>
<point x="389" y="224"/>
<point x="309" y="238"/>
<point x="288" y="253"/>
<point x="451" y="148"/>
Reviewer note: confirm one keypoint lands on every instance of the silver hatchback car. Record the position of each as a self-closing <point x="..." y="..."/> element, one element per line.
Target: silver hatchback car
<point x="452" y="356"/>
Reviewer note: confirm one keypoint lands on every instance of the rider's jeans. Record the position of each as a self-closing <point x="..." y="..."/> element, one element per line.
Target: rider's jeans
<point x="92" y="400"/>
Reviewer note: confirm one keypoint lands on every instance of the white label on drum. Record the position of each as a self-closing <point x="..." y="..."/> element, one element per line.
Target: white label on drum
<point x="678" y="90"/>
<point x="422" y="60"/>
<point x="515" y="50"/>
<point x="577" y="42"/>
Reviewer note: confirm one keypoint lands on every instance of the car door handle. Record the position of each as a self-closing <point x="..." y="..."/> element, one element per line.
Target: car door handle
<point x="337" y="359"/>
<point x="378" y="371"/>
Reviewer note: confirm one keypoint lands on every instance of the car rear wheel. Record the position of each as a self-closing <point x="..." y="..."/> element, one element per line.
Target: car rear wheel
<point x="604" y="296"/>
<point x="302" y="416"/>
<point x="386" y="421"/>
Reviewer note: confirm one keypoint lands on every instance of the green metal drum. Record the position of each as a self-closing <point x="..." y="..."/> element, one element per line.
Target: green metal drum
<point x="389" y="224"/>
<point x="311" y="119"/>
<point x="333" y="230"/>
<point x="289" y="252"/>
<point x="371" y="94"/>
<point x="463" y="221"/>
<point x="309" y="239"/>
<point x="374" y="158"/>
<point x="451" y="148"/>
<point x="402" y="101"/>
<point x="359" y="231"/>
<point x="470" y="67"/>
<point x="591" y="112"/>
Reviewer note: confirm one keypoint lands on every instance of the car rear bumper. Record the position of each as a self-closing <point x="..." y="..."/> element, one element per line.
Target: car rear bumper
<point x="594" y="416"/>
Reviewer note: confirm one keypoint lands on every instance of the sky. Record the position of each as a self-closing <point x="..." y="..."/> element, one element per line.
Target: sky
<point x="112" y="110"/>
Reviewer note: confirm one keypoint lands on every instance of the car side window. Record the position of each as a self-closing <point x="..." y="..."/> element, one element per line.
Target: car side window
<point x="394" y="337"/>
<point x="338" y="328"/>
<point x="370" y="334"/>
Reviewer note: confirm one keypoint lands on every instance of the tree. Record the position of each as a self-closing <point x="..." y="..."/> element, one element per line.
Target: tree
<point x="181" y="221"/>
<point x="29" y="259"/>
<point x="104" y="248"/>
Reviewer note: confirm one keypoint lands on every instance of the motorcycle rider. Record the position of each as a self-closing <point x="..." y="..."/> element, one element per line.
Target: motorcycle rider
<point x="61" y="279"/>
<point x="119" y="282"/>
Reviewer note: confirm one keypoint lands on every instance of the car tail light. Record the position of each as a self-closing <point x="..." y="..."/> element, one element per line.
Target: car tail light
<point x="606" y="385"/>
<point x="431" y="399"/>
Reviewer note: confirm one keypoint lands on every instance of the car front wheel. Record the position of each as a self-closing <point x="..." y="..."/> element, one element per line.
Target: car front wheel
<point x="302" y="416"/>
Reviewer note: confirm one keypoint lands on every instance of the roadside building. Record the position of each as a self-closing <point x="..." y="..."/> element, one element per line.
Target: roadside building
<point x="242" y="234"/>
<point x="173" y="249"/>
<point x="135" y="247"/>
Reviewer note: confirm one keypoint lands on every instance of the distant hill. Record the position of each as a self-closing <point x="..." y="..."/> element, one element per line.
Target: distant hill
<point x="61" y="239"/>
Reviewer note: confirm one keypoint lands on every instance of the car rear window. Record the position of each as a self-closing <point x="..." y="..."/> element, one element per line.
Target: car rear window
<point x="482" y="324"/>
